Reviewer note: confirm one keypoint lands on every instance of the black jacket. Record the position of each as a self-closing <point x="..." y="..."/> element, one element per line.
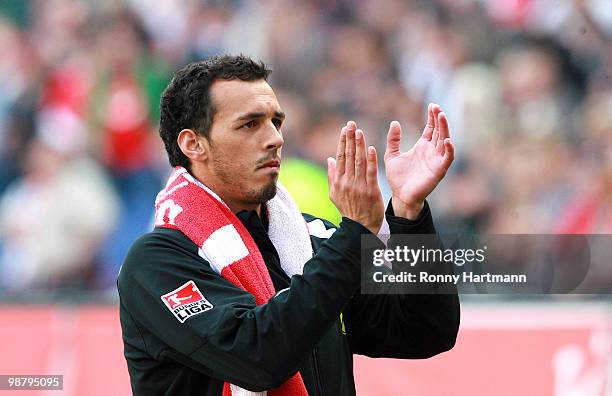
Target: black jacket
<point x="301" y="328"/>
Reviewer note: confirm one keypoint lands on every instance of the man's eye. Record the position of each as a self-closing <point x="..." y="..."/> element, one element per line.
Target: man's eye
<point x="250" y="124"/>
<point x="277" y="122"/>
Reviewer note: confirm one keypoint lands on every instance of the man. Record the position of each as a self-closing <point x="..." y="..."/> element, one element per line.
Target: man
<point x="234" y="292"/>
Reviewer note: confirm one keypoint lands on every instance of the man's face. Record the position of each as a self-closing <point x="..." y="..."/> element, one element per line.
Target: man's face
<point x="245" y="141"/>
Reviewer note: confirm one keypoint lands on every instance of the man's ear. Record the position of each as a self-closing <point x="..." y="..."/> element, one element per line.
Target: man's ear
<point x="194" y="146"/>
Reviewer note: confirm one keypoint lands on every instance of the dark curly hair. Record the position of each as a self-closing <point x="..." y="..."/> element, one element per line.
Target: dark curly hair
<point x="186" y="101"/>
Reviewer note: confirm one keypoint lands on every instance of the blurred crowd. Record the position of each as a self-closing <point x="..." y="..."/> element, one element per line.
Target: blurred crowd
<point x="526" y="84"/>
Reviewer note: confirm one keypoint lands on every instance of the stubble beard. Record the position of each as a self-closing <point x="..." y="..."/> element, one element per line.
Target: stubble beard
<point x="249" y="194"/>
<point x="265" y="194"/>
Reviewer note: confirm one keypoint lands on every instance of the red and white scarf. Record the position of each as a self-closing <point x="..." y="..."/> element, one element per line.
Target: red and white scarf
<point x="189" y="206"/>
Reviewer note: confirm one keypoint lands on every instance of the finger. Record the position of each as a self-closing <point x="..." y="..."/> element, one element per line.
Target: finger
<point x="372" y="170"/>
<point x="331" y="172"/>
<point x="449" y="153"/>
<point x="436" y="131"/>
<point x="340" y="156"/>
<point x="360" y="155"/>
<point x="349" y="152"/>
<point x="394" y="137"/>
<point x="444" y="133"/>
<point x="429" y="127"/>
<point x="435" y="110"/>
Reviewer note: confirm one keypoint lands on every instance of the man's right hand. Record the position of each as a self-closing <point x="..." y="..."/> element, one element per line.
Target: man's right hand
<point x="353" y="179"/>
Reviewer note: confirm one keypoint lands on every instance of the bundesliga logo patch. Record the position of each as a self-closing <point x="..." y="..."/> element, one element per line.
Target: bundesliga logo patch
<point x="186" y="301"/>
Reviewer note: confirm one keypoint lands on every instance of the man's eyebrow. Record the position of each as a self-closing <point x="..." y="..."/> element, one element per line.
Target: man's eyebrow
<point x="258" y="114"/>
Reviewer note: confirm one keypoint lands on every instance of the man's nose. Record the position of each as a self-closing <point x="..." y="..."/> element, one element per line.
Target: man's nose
<point x="274" y="138"/>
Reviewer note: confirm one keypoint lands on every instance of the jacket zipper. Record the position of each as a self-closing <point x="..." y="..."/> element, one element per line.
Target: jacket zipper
<point x="315" y="365"/>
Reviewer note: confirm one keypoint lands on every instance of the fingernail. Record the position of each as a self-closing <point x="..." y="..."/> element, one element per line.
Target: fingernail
<point x="359" y="134"/>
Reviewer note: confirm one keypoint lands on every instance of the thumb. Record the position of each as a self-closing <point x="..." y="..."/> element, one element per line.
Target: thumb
<point x="394" y="137"/>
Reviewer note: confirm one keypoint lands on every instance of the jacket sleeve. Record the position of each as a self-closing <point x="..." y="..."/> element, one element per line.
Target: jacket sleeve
<point x="403" y="325"/>
<point x="255" y="347"/>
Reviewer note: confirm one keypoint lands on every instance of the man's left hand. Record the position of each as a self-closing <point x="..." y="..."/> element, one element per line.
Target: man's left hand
<point x="413" y="175"/>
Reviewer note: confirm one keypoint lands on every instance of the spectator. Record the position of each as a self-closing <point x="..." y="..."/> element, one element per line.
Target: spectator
<point x="55" y="217"/>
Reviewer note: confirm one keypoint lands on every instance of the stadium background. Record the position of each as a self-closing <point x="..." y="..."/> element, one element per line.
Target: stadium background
<point x="526" y="85"/>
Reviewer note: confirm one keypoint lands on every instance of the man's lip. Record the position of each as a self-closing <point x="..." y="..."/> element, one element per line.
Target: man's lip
<point x="271" y="164"/>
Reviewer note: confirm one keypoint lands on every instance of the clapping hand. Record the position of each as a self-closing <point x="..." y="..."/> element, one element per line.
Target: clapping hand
<point x="353" y="179"/>
<point x="413" y="175"/>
